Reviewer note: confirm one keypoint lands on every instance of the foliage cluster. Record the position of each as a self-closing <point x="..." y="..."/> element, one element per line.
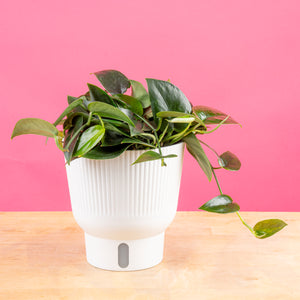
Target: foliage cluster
<point x="103" y="123"/>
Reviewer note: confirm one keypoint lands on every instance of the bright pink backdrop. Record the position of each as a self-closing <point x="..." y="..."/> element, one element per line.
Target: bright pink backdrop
<point x="239" y="56"/>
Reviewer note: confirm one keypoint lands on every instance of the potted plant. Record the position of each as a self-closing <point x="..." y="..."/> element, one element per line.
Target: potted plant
<point x="123" y="158"/>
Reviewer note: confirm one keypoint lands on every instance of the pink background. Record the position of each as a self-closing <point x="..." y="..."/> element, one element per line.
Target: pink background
<point x="239" y="56"/>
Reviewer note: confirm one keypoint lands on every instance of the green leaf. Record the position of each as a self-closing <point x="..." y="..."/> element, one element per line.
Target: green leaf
<point x="137" y="129"/>
<point x="140" y="93"/>
<point x="97" y="94"/>
<point x="68" y="123"/>
<point x="172" y="114"/>
<point x="151" y="155"/>
<point x="109" y="111"/>
<point x="34" y="126"/>
<point x="115" y="127"/>
<point x="184" y="120"/>
<point x="112" y="138"/>
<point x="229" y="161"/>
<point x="165" y="96"/>
<point x="194" y="147"/>
<point x="68" y="110"/>
<point x="106" y="152"/>
<point x="134" y="104"/>
<point x="266" y="228"/>
<point x="71" y="99"/>
<point x="221" y="204"/>
<point x="211" y="115"/>
<point x="89" y="139"/>
<point x="113" y="81"/>
<point x="72" y="133"/>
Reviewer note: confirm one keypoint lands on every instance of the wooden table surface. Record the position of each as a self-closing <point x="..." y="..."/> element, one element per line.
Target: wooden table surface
<point x="207" y="256"/>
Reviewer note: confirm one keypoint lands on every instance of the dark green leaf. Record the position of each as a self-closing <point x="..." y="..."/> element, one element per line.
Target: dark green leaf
<point x="229" y="161"/>
<point x="133" y="104"/>
<point x="97" y="94"/>
<point x="140" y="93"/>
<point x="78" y="122"/>
<point x="165" y="96"/>
<point x="221" y="204"/>
<point x="69" y="122"/>
<point x="266" y="228"/>
<point x="71" y="99"/>
<point x="212" y="116"/>
<point x="151" y="155"/>
<point x="68" y="110"/>
<point x="112" y="138"/>
<point x="106" y="152"/>
<point x="119" y="124"/>
<point x="113" y="81"/>
<point x="34" y="126"/>
<point x="194" y="147"/>
<point x="115" y="127"/>
<point x="89" y="139"/>
<point x="109" y="111"/>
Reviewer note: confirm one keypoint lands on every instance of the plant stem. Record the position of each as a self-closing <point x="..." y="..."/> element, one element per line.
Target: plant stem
<point x="164" y="132"/>
<point x="176" y="137"/>
<point x="214" y="129"/>
<point x="219" y="187"/>
<point x="248" y="226"/>
<point x="216" y="179"/>
<point x="89" y="119"/>
<point x="209" y="148"/>
<point x="156" y="136"/>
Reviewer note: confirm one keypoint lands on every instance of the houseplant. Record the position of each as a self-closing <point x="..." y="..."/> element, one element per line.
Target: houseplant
<point x="109" y="124"/>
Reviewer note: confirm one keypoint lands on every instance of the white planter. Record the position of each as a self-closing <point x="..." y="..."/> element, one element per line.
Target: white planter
<point x="124" y="209"/>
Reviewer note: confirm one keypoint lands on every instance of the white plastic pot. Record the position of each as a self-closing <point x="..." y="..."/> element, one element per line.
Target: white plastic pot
<point x="125" y="209"/>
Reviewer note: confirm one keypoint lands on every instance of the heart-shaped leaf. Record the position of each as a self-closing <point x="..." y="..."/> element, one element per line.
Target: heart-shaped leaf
<point x="97" y="94"/>
<point x="89" y="139"/>
<point x="165" y="96"/>
<point x="113" y="81"/>
<point x="133" y="104"/>
<point x="109" y="111"/>
<point x="34" y="126"/>
<point x="229" y="161"/>
<point x="221" y="204"/>
<point x="140" y="93"/>
<point x="151" y="155"/>
<point x="211" y="115"/>
<point x="194" y="147"/>
<point x="106" y="152"/>
<point x="266" y="228"/>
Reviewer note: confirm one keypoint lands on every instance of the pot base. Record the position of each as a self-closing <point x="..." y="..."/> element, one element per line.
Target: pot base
<point x="124" y="255"/>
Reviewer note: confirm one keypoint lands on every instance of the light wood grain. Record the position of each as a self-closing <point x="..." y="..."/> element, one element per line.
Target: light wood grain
<point x="207" y="256"/>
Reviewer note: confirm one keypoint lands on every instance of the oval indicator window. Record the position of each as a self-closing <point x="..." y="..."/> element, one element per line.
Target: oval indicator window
<point x="123" y="255"/>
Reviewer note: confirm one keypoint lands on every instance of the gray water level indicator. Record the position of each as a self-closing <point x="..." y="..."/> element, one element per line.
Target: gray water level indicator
<point x="123" y="255"/>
